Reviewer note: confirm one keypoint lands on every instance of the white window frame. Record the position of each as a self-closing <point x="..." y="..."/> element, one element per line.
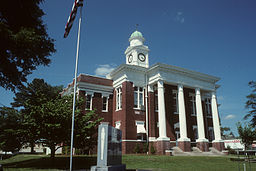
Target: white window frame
<point x="105" y="104"/>
<point x="208" y="109"/>
<point x="175" y="98"/>
<point x="141" y="134"/>
<point x="140" y="101"/>
<point x="193" y="102"/>
<point x="88" y="94"/>
<point x="118" y="98"/>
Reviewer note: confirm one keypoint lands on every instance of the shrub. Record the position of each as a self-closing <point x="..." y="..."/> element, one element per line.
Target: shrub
<point x="152" y="149"/>
<point x="145" y="148"/>
<point x="137" y="149"/>
<point x="230" y="150"/>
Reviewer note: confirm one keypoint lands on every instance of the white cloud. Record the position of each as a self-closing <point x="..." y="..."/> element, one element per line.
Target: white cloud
<point x="179" y="17"/>
<point x="228" y="117"/>
<point x="103" y="70"/>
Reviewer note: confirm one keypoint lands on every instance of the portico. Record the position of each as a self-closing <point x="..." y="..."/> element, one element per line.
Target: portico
<point x="199" y="85"/>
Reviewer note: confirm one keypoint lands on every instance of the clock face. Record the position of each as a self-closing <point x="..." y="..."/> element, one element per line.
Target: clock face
<point x="141" y="57"/>
<point x="130" y="58"/>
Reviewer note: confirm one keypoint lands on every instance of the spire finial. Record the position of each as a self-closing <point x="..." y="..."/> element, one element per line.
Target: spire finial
<point x="137" y="25"/>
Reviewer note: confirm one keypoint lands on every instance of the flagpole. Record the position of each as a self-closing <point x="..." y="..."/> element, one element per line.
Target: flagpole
<point x="74" y="94"/>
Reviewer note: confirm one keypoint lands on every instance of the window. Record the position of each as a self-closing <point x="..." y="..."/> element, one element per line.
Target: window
<point x="138" y="98"/>
<point x="175" y="101"/>
<point x="210" y="133"/>
<point x="104" y="104"/>
<point x="192" y="100"/>
<point x="156" y="101"/>
<point x="195" y="132"/>
<point x="119" y="98"/>
<point x="208" y="106"/>
<point x="88" y="103"/>
<point x="141" y="131"/>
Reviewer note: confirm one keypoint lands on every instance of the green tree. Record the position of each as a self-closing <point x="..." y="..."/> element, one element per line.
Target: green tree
<point x="246" y="133"/>
<point x="24" y="41"/>
<point x="10" y="129"/>
<point x="55" y="126"/>
<point x="251" y="104"/>
<point x="55" y="122"/>
<point x="30" y="99"/>
<point x="85" y="133"/>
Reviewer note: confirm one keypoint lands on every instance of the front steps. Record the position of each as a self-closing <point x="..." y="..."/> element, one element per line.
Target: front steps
<point x="176" y="151"/>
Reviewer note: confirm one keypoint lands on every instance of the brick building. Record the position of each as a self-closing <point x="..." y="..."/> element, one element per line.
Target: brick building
<point x="164" y="104"/>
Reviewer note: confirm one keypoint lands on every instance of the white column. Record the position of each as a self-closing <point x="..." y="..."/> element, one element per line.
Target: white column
<point x="161" y="112"/>
<point x="182" y="115"/>
<point x="200" y="118"/>
<point x="215" y="119"/>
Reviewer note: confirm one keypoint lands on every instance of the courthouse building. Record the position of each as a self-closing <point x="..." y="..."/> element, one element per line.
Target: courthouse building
<point x="163" y="104"/>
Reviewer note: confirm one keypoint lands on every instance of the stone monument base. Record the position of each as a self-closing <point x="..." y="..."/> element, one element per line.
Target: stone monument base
<point x="121" y="167"/>
<point x="218" y="145"/>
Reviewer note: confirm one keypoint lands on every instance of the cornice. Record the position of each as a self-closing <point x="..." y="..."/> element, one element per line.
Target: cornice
<point x="126" y="67"/>
<point x="183" y="71"/>
<point x="94" y="87"/>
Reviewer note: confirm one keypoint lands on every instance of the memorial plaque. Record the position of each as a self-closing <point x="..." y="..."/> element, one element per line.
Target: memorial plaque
<point x="109" y="155"/>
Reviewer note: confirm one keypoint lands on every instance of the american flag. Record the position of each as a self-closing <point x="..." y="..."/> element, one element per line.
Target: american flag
<point x="72" y="16"/>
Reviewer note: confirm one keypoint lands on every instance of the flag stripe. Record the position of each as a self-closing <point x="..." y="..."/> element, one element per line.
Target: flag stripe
<point x="72" y="16"/>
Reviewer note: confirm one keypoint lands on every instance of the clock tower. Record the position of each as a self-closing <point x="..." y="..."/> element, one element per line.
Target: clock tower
<point x="137" y="52"/>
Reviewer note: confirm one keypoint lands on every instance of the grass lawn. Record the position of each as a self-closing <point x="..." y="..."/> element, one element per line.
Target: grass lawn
<point x="151" y="162"/>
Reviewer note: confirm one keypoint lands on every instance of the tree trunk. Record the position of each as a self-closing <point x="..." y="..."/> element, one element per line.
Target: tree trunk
<point x="52" y="147"/>
<point x="32" y="144"/>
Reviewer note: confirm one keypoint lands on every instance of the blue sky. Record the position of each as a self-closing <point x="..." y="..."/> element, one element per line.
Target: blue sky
<point x="215" y="37"/>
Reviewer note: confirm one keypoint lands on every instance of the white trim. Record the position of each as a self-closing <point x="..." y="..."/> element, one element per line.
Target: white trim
<point x="95" y="88"/>
<point x="175" y="98"/>
<point x="91" y="94"/>
<point x="139" y="93"/>
<point x="193" y="101"/>
<point x="119" y="81"/>
<point x="152" y="139"/>
<point x="118" y="98"/>
<point x="133" y="140"/>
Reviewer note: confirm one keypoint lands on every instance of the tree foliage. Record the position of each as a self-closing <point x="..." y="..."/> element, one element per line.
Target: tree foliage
<point x="247" y="134"/>
<point x="30" y="100"/>
<point x="86" y="130"/>
<point x="251" y="104"/>
<point x="24" y="41"/>
<point x="56" y="124"/>
<point x="10" y="130"/>
<point x="47" y="117"/>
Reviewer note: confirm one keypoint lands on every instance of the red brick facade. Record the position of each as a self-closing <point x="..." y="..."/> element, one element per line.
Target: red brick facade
<point x="128" y="116"/>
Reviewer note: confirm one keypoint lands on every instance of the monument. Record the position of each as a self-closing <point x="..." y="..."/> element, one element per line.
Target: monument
<point x="109" y="154"/>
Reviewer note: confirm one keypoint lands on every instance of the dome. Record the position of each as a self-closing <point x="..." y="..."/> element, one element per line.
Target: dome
<point x="136" y="34"/>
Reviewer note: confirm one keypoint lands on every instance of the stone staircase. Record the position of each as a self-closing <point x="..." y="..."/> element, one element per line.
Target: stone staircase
<point x="176" y="151"/>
